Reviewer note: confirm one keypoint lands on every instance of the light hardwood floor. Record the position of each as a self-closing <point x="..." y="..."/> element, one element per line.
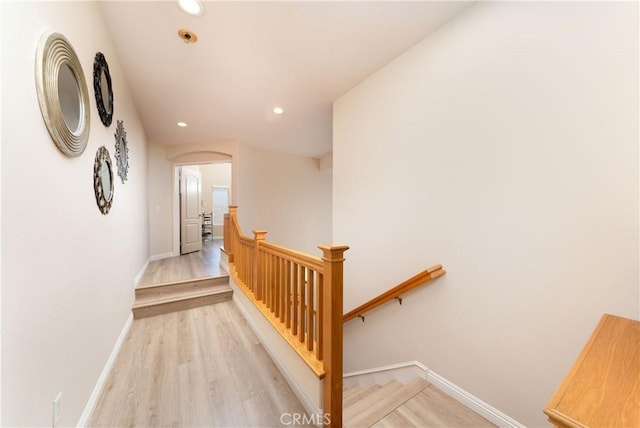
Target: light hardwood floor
<point x="189" y="266"/>
<point x="199" y="367"/>
<point x="432" y="408"/>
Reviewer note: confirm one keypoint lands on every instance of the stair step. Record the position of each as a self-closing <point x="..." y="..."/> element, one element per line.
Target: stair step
<point x="373" y="407"/>
<point x="177" y="301"/>
<point x="358" y="394"/>
<point x="178" y="286"/>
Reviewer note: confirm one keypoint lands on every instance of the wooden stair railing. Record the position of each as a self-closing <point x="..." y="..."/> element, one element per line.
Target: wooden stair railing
<point x="413" y="282"/>
<point x="301" y="296"/>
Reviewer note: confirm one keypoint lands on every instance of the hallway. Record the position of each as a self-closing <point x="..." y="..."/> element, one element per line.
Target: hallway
<point x="199" y="367"/>
<point x="199" y="264"/>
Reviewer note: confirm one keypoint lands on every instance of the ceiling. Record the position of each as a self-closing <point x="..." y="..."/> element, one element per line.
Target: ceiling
<point x="253" y="56"/>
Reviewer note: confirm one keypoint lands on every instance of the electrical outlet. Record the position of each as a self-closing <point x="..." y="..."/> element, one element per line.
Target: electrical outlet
<point x="56" y="409"/>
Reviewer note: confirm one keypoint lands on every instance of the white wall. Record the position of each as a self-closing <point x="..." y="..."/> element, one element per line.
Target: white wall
<point x="505" y="147"/>
<point x="292" y="201"/>
<point x="160" y="179"/>
<point x="67" y="270"/>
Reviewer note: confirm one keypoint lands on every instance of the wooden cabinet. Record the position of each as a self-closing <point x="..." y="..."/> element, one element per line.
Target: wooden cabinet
<point x="602" y="389"/>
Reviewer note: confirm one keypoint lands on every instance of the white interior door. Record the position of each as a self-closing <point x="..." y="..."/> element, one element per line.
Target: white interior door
<point x="190" y="221"/>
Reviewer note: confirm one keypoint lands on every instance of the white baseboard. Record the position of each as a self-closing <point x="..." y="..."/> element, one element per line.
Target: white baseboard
<point x="488" y="412"/>
<point x="404" y="372"/>
<point x="102" y="379"/>
<point x="412" y="369"/>
<point x="160" y="256"/>
<point x="308" y="404"/>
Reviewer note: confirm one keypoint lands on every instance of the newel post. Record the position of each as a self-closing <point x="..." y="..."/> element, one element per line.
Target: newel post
<point x="333" y="258"/>
<point x="229" y="232"/>
<point x="258" y="236"/>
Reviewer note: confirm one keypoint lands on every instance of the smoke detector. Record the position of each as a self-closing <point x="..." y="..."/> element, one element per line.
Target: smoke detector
<point x="187" y="36"/>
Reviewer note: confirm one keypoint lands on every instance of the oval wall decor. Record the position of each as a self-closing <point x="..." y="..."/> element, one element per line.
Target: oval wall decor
<point x="103" y="89"/>
<point x="62" y="93"/>
<point x="103" y="180"/>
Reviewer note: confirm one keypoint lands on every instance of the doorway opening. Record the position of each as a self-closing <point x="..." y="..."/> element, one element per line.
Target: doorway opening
<point x="202" y="196"/>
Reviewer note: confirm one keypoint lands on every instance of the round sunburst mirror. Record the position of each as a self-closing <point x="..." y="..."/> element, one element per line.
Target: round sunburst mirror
<point x="62" y="93"/>
<point x="122" y="152"/>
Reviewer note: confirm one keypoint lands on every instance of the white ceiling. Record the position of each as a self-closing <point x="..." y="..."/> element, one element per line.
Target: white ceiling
<point x="253" y="56"/>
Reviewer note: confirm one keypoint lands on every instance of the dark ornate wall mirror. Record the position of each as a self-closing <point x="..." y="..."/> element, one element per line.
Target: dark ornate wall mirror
<point x="62" y="93"/>
<point x="103" y="89"/>
<point x="103" y="180"/>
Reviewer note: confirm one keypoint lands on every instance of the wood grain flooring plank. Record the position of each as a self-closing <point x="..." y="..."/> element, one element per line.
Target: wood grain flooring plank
<point x="384" y="401"/>
<point x="359" y="394"/>
<point x="200" y="367"/>
<point x="433" y="408"/>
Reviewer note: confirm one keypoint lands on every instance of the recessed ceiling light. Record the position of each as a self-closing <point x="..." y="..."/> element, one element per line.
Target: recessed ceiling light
<point x="192" y="7"/>
<point x="182" y="124"/>
<point x="278" y="110"/>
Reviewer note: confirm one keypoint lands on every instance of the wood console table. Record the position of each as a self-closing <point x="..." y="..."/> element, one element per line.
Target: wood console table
<point x="602" y="389"/>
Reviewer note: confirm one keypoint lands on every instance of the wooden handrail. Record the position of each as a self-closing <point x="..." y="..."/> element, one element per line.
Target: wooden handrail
<point x="301" y="297"/>
<point x="413" y="282"/>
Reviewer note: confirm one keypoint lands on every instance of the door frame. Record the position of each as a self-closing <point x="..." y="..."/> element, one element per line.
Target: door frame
<point x="176" y="197"/>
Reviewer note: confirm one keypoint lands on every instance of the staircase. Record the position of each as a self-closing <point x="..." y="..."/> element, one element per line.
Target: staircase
<point x="156" y="299"/>
<point x="415" y="404"/>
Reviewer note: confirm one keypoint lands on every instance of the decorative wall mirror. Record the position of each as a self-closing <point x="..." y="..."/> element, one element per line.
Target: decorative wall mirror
<point x="103" y="89"/>
<point x="62" y="93"/>
<point x="122" y="151"/>
<point x="103" y="180"/>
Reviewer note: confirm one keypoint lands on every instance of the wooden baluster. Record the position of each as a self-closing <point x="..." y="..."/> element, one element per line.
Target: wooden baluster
<point x="301" y="280"/>
<point x="320" y="317"/>
<point x="279" y="288"/>
<point x="333" y="260"/>
<point x="272" y="281"/>
<point x="262" y="274"/>
<point x="249" y="271"/>
<point x="310" y="308"/>
<point x="283" y="291"/>
<point x="244" y="264"/>
<point x="267" y="275"/>
<point x="258" y="237"/>
<point x="241" y="260"/>
<point x="294" y="315"/>
<point x="287" y="286"/>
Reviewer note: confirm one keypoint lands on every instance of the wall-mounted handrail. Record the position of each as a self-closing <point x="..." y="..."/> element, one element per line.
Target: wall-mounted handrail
<point x="300" y="295"/>
<point x="411" y="283"/>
